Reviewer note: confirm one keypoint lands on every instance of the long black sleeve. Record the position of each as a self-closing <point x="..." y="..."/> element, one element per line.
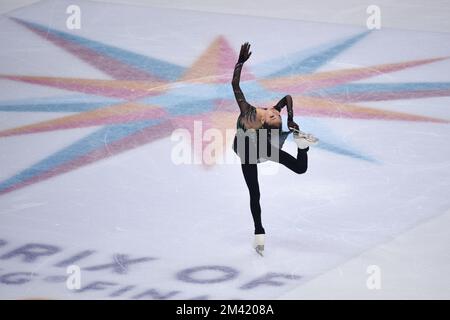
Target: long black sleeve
<point x="286" y="101"/>
<point x="238" y="94"/>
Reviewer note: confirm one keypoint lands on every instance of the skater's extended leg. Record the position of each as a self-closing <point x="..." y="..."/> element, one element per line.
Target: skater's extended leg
<point x="298" y="165"/>
<point x="250" y="172"/>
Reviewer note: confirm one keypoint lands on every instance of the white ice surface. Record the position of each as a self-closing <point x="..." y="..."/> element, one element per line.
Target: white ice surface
<point x="139" y="203"/>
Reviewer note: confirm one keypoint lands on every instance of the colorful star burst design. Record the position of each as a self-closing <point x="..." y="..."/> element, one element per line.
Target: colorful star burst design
<point x="148" y="98"/>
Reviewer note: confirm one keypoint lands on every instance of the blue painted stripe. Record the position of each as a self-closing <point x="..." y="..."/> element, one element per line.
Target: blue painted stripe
<point x="342" y="151"/>
<point x="67" y="103"/>
<point x="94" y="141"/>
<point x="54" y="107"/>
<point x="382" y="87"/>
<point x="153" y="66"/>
<point x="182" y="105"/>
<point x="306" y="61"/>
<point x="329" y="140"/>
<point x="254" y="93"/>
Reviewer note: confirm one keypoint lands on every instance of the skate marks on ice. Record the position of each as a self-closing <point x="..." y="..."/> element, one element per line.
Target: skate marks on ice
<point x="85" y="123"/>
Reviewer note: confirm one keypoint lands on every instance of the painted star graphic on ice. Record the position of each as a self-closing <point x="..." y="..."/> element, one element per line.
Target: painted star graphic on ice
<point x="148" y="98"/>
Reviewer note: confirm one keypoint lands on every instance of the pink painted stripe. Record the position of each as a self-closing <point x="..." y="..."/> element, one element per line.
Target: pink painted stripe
<point x="111" y="66"/>
<point x="83" y="122"/>
<point x="380" y="96"/>
<point x="365" y="115"/>
<point x="348" y="76"/>
<point x="122" y="93"/>
<point x="133" y="141"/>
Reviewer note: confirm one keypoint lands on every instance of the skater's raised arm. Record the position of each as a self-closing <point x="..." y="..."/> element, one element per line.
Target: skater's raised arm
<point x="287" y="101"/>
<point x="238" y="94"/>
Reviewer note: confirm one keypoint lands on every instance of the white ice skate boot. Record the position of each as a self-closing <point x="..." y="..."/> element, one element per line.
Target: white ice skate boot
<point x="304" y="140"/>
<point x="258" y="244"/>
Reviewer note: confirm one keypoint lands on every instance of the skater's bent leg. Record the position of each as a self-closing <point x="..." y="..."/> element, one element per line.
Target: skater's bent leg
<point x="298" y="165"/>
<point x="250" y="172"/>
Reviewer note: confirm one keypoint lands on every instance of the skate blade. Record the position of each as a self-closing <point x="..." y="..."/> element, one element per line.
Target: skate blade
<point x="259" y="251"/>
<point x="308" y="137"/>
<point x="312" y="139"/>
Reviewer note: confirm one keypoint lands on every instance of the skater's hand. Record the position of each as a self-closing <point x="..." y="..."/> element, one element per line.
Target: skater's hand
<point x="292" y="124"/>
<point x="245" y="53"/>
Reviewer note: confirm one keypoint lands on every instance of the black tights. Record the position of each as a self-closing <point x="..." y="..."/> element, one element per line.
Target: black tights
<point x="298" y="165"/>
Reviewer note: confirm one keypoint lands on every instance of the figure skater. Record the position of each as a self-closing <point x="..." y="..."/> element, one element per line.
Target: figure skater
<point x="259" y="137"/>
